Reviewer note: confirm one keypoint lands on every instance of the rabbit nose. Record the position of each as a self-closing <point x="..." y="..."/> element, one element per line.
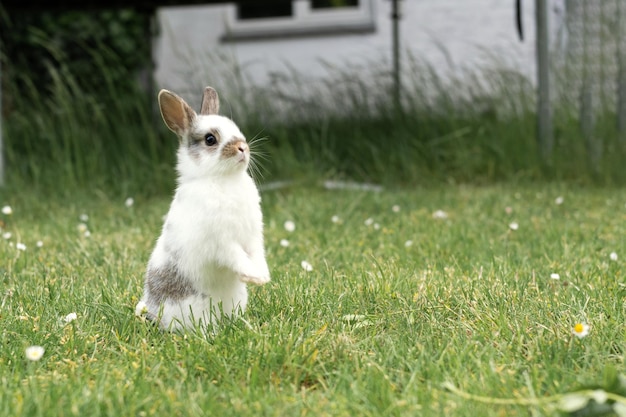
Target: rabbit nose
<point x="237" y="148"/>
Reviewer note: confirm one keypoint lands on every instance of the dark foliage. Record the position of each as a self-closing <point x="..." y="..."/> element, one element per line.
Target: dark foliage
<point x="33" y="42"/>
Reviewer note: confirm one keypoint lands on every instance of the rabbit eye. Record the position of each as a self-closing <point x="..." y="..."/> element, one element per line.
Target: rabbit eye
<point x="210" y="139"/>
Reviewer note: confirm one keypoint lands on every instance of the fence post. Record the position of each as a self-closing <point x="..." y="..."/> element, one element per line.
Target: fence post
<point x="544" y="111"/>
<point x="621" y="75"/>
<point x="1" y="148"/>
<point x="395" y="22"/>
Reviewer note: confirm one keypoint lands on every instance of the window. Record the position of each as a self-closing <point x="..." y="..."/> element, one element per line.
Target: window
<point x="248" y="20"/>
<point x="325" y="4"/>
<point x="262" y="10"/>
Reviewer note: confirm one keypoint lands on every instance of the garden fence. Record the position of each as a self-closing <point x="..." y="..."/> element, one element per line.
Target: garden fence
<point x="586" y="64"/>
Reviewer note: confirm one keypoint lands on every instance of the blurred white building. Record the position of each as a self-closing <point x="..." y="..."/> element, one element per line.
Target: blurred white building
<point x="222" y="44"/>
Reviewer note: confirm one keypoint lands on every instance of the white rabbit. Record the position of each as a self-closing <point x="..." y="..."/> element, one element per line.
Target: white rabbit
<point x="211" y="243"/>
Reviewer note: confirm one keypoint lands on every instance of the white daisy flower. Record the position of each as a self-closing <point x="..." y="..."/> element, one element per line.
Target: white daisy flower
<point x="369" y="221"/>
<point x="141" y="309"/>
<point x="306" y="266"/>
<point x="613" y="256"/>
<point x="580" y="330"/>
<point x="290" y="226"/>
<point x="6" y="235"/>
<point x="395" y="208"/>
<point x="335" y="219"/>
<point x="34" y="353"/>
<point x="408" y="243"/>
<point x="284" y="243"/>
<point x="129" y="202"/>
<point x="40" y="243"/>
<point x="7" y="210"/>
<point x="84" y="218"/>
<point x="555" y="276"/>
<point x="83" y="229"/>
<point x="559" y="200"/>
<point x="20" y="246"/>
<point x="440" y="215"/>
<point x="70" y="318"/>
<point x="513" y="226"/>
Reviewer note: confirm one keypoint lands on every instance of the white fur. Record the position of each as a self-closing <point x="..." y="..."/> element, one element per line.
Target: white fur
<point x="213" y="232"/>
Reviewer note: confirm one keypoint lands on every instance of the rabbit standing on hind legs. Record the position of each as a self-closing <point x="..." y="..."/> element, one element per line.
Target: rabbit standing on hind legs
<point x="211" y="243"/>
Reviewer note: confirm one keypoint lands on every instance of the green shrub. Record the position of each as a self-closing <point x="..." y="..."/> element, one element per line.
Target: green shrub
<point x="82" y="41"/>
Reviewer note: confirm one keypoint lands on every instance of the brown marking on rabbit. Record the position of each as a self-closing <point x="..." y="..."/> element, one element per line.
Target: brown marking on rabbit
<point x="198" y="145"/>
<point x="210" y="102"/>
<point x="167" y="283"/>
<point x="234" y="148"/>
<point x="176" y="113"/>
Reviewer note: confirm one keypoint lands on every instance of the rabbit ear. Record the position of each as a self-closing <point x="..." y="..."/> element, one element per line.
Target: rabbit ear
<point x="210" y="101"/>
<point x="176" y="113"/>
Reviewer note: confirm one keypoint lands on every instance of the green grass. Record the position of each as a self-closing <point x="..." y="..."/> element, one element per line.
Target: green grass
<point x="376" y="328"/>
<point x="477" y="128"/>
<point x="379" y="326"/>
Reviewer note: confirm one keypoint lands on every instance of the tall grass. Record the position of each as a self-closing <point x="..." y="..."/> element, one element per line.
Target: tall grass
<point x="474" y="127"/>
<point x="62" y="136"/>
<point x="445" y="128"/>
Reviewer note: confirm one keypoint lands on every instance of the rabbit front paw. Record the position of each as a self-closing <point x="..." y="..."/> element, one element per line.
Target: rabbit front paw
<point x="252" y="269"/>
<point x="257" y="280"/>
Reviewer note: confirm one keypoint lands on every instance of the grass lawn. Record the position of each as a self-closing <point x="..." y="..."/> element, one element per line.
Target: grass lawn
<point x="397" y="304"/>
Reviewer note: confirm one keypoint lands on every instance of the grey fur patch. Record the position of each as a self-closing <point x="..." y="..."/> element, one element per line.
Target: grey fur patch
<point x="166" y="283"/>
<point x="197" y="147"/>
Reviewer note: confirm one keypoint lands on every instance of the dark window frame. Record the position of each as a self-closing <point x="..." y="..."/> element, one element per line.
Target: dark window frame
<point x="263" y="10"/>
<point x="333" y="4"/>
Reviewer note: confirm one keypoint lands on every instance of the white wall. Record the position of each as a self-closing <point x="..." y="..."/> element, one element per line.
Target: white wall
<point x="448" y="34"/>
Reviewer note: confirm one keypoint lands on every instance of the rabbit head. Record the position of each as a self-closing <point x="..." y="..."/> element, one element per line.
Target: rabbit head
<point x="209" y="144"/>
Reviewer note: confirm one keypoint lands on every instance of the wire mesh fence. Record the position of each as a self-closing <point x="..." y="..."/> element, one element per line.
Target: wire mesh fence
<point x="588" y="63"/>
